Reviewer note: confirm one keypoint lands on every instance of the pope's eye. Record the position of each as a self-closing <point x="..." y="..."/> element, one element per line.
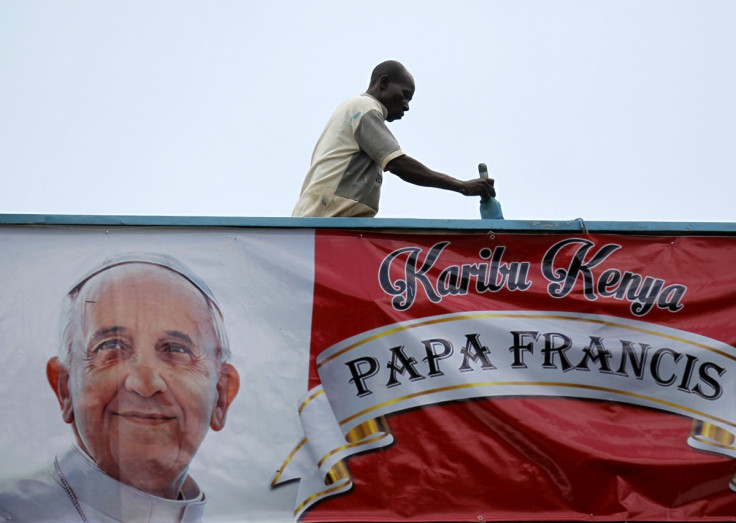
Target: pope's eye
<point x="108" y="351"/>
<point x="113" y="344"/>
<point x="177" y="351"/>
<point x="176" y="348"/>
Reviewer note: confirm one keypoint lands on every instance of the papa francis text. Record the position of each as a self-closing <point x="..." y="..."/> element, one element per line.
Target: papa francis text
<point x="550" y="352"/>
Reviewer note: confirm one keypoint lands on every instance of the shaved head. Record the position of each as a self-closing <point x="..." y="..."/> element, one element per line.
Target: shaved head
<point x="393" y="86"/>
<point x="390" y="68"/>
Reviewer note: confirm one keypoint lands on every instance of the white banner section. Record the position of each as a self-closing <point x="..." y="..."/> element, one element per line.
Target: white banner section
<point x="501" y="354"/>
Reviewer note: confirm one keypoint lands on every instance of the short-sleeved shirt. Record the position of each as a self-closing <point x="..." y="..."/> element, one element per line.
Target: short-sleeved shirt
<point x="348" y="162"/>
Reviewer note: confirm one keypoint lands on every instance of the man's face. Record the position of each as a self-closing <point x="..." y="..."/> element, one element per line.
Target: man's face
<point x="144" y="379"/>
<point x="396" y="95"/>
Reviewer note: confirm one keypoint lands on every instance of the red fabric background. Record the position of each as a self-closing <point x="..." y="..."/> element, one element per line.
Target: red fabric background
<point x="529" y="458"/>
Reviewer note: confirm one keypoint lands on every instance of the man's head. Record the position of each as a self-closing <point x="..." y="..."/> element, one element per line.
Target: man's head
<point x="393" y="86"/>
<point x="142" y="371"/>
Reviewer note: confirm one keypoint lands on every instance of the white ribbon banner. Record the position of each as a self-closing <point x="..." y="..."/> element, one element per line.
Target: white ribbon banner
<point x="495" y="354"/>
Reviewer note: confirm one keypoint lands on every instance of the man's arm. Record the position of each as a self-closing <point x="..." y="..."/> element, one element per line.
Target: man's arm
<point x="413" y="171"/>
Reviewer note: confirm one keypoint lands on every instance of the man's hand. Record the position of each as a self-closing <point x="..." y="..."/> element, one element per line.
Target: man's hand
<point x="482" y="187"/>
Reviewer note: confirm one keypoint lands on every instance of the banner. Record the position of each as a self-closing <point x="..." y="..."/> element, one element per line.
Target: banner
<point x="243" y="374"/>
<point x="501" y="377"/>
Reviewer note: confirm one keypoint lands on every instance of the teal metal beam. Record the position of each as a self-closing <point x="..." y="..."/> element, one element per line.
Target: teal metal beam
<point x="510" y="226"/>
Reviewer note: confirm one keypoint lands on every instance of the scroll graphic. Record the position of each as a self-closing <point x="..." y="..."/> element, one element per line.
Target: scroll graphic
<point x="499" y="354"/>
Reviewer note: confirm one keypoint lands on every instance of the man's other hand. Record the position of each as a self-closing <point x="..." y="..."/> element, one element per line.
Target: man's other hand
<point x="482" y="187"/>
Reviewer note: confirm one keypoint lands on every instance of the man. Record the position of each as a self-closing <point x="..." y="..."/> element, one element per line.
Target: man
<point x="356" y="147"/>
<point x="142" y="371"/>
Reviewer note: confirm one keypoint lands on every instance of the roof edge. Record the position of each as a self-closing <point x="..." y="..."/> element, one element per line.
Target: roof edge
<point x="575" y="225"/>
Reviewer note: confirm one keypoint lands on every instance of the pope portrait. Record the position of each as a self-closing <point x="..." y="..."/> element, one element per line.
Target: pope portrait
<point x="141" y="375"/>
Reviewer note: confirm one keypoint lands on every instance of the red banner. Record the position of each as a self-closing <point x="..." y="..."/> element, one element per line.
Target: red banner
<point x="519" y="377"/>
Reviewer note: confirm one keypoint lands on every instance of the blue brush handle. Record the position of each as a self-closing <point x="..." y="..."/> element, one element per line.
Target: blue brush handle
<point x="490" y="208"/>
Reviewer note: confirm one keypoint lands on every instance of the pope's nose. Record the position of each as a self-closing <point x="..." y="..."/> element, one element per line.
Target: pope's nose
<point x="144" y="380"/>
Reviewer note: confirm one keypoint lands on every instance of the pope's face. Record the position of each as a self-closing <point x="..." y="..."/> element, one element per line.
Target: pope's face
<point x="145" y="381"/>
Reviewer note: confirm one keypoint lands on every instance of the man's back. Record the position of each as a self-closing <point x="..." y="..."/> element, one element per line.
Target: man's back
<point x="348" y="161"/>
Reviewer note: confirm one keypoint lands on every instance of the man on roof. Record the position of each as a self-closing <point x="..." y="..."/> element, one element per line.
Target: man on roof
<point x="356" y="147"/>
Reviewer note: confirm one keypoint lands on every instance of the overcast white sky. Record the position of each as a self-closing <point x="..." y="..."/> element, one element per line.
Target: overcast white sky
<point x="605" y="110"/>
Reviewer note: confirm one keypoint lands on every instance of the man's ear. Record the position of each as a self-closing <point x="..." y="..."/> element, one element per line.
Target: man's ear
<point x="58" y="377"/>
<point x="227" y="388"/>
<point x="383" y="82"/>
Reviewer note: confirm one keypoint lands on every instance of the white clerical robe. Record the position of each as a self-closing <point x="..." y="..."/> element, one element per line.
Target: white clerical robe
<point x="73" y="488"/>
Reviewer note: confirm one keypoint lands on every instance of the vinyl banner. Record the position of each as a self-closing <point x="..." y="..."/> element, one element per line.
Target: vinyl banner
<point x="244" y="374"/>
<point x="532" y="377"/>
<point x="144" y="392"/>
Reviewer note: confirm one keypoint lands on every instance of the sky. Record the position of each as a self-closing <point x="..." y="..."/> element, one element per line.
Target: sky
<point x="603" y="110"/>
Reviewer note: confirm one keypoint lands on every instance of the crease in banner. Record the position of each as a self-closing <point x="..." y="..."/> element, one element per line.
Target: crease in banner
<point x="488" y="354"/>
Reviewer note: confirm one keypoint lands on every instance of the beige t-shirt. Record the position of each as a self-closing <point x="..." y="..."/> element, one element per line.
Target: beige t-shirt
<point x="348" y="162"/>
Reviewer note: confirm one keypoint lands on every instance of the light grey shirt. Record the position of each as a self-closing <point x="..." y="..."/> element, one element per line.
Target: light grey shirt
<point x="346" y="173"/>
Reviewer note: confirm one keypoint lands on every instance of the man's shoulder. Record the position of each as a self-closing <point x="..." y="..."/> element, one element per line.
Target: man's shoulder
<point x="34" y="498"/>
